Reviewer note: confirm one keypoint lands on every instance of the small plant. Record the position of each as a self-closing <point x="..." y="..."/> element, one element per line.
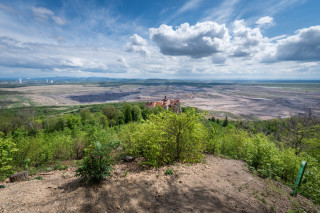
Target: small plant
<point x="169" y="171"/>
<point x="2" y="186"/>
<point x="37" y="178"/>
<point x="96" y="164"/>
<point x="32" y="170"/>
<point x="27" y="163"/>
<point x="59" y="166"/>
<point x="272" y="209"/>
<point x="126" y="173"/>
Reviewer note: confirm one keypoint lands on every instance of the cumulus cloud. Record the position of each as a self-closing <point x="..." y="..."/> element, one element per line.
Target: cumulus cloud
<point x="200" y="40"/>
<point x="246" y="41"/>
<point x="218" y="59"/>
<point x="44" y="14"/>
<point x="137" y="44"/>
<point x="304" y="46"/>
<point x="265" y="21"/>
<point x="122" y="61"/>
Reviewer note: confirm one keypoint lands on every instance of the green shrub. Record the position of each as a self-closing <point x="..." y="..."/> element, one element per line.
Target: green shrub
<point x="169" y="171"/>
<point x="96" y="164"/>
<point x="168" y="137"/>
<point x="7" y="151"/>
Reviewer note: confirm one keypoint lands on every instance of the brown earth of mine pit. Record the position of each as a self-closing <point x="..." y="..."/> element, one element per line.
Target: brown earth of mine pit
<point x="219" y="185"/>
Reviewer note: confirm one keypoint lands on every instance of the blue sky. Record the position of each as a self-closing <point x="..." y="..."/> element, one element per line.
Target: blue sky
<point x="191" y="39"/>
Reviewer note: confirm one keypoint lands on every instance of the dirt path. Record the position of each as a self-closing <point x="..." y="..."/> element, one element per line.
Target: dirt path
<point x="218" y="185"/>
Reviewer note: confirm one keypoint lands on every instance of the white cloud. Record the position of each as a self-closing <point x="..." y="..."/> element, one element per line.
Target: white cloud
<point x="223" y="13"/>
<point x="265" y="21"/>
<point x="246" y="41"/>
<point x="190" y="5"/>
<point x="303" y="46"/>
<point x="122" y="62"/>
<point x="137" y="44"/>
<point x="44" y="14"/>
<point x="200" y="40"/>
<point x="218" y="59"/>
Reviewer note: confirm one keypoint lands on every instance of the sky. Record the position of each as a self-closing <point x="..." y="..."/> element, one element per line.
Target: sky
<point x="180" y="39"/>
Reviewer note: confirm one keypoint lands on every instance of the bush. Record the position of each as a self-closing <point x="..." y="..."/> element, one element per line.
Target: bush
<point x="168" y="137"/>
<point x="96" y="165"/>
<point x="7" y="150"/>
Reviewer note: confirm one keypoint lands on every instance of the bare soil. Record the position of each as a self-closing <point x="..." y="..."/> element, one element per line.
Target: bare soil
<point x="244" y="101"/>
<point x="216" y="185"/>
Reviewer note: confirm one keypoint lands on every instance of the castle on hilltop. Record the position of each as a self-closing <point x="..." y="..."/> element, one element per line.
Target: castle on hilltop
<point x="166" y="104"/>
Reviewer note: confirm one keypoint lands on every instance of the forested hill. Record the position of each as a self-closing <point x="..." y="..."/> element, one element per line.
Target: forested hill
<point x="36" y="138"/>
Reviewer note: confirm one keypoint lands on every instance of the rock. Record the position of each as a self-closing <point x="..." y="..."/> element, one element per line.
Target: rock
<point x="128" y="159"/>
<point x="20" y="176"/>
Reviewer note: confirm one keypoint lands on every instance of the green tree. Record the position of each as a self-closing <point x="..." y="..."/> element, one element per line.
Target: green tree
<point x="298" y="130"/>
<point x="225" y="122"/>
<point x="168" y="137"/>
<point x="112" y="113"/>
<point x="127" y="112"/>
<point x="136" y="113"/>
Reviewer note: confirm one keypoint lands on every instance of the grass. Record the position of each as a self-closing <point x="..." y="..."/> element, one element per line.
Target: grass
<point x="169" y="171"/>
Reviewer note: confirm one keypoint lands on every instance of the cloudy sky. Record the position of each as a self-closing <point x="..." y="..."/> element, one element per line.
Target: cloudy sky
<point x="180" y="39"/>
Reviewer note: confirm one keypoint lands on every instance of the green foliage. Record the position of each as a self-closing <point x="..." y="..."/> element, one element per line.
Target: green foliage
<point x="37" y="178"/>
<point x="48" y="135"/>
<point x="169" y="171"/>
<point x="59" y="166"/>
<point x="113" y="114"/>
<point x="7" y="151"/>
<point x="167" y="137"/>
<point x="267" y="158"/>
<point x="127" y="113"/>
<point x="136" y="113"/>
<point x="225" y="122"/>
<point x="96" y="165"/>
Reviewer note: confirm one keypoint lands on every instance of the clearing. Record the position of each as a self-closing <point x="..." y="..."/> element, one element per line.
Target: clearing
<point x="216" y="185"/>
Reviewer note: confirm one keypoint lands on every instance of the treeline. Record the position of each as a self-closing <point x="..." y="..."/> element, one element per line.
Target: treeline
<point x="272" y="148"/>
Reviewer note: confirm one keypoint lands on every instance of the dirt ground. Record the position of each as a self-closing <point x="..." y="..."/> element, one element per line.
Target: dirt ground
<point x="244" y="101"/>
<point x="216" y="185"/>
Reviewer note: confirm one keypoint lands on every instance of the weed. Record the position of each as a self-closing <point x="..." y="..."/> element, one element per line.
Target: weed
<point x="272" y="209"/>
<point x="2" y="186"/>
<point x="217" y="180"/>
<point x="233" y="183"/>
<point x="169" y="171"/>
<point x="240" y="189"/>
<point x="37" y="178"/>
<point x="59" y="166"/>
<point x="126" y="173"/>
<point x="32" y="171"/>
